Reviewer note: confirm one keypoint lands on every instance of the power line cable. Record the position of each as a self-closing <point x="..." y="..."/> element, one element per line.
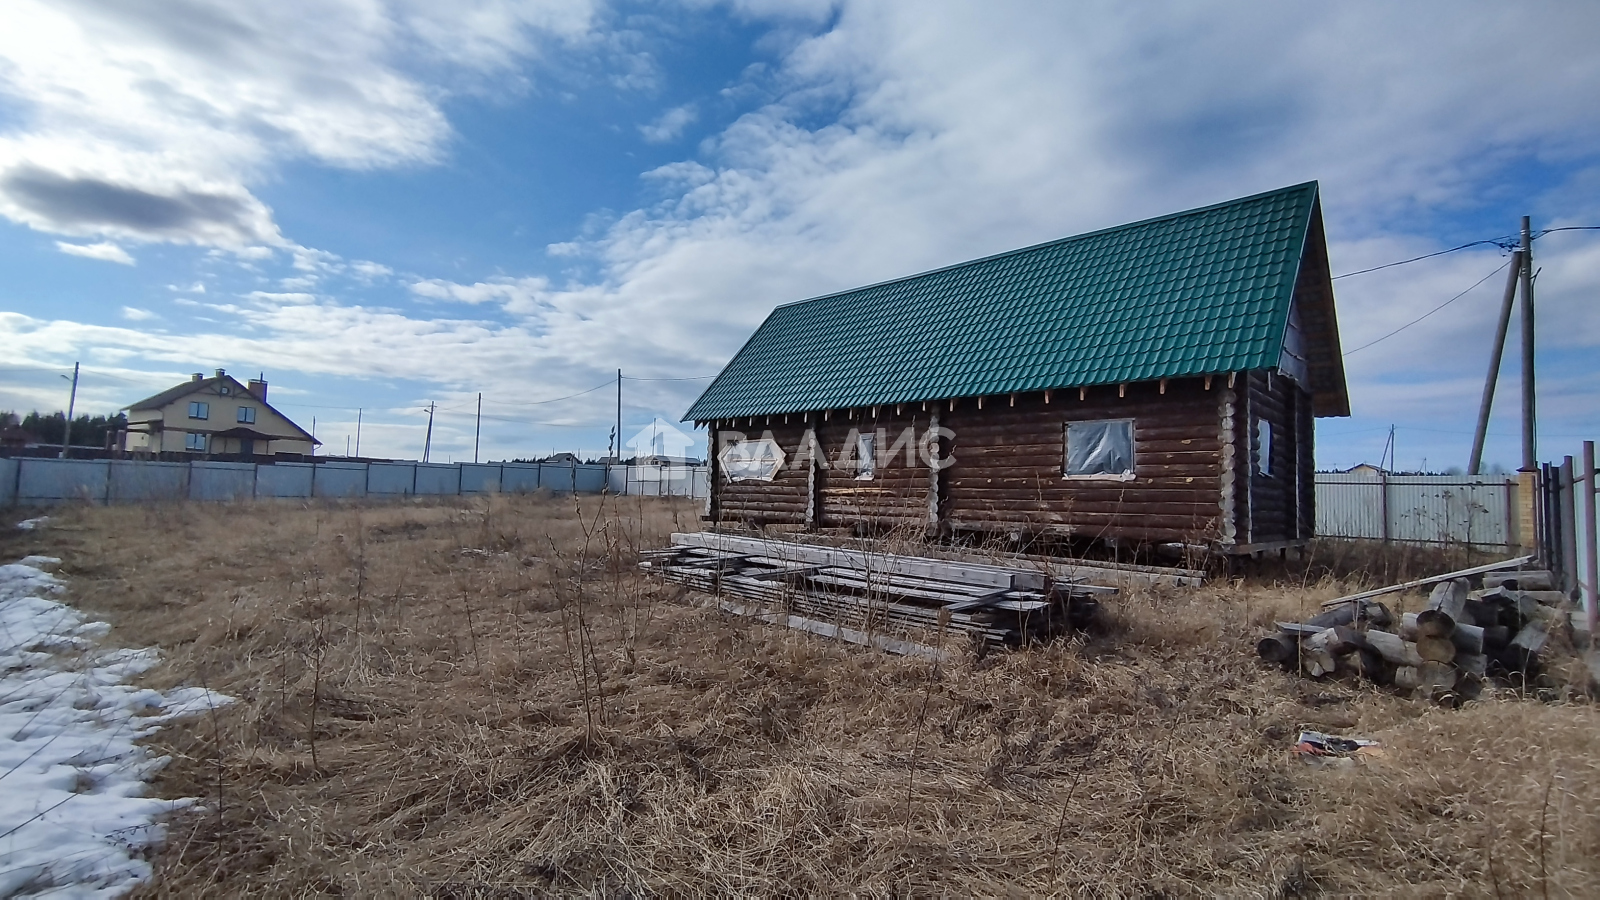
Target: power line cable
<point x="1503" y="242"/>
<point x="1431" y="311"/>
<point x="608" y="383"/>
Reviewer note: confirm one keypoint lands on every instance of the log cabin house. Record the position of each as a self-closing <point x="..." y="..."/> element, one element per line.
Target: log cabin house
<point x="1150" y="383"/>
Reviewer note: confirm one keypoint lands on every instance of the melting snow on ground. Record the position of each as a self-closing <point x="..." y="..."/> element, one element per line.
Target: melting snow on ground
<point x="74" y="821"/>
<point x="31" y="524"/>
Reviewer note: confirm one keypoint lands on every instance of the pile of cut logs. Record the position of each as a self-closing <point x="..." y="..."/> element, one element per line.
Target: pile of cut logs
<point x="1445" y="651"/>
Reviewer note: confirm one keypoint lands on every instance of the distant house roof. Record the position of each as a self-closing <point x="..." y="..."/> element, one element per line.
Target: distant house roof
<point x="1366" y="469"/>
<point x="170" y="395"/>
<point x="1193" y="293"/>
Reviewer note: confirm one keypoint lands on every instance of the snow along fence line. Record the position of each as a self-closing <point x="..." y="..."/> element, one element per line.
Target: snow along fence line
<point x="74" y="820"/>
<point x="33" y="482"/>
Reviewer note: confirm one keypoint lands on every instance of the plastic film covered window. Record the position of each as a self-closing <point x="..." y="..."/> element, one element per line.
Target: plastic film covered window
<point x="866" y="457"/>
<point x="752" y="460"/>
<point x="1102" y="448"/>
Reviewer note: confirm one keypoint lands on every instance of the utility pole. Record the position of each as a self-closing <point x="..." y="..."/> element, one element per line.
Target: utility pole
<point x="618" y="454"/>
<point x="1529" y="454"/>
<point x="72" y="402"/>
<point x="313" y="435"/>
<point x="358" y="431"/>
<point x="427" y="442"/>
<point x="478" y="428"/>
<point x="1475" y="465"/>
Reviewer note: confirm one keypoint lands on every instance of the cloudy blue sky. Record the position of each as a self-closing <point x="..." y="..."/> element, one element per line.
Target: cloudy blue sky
<point x="382" y="204"/>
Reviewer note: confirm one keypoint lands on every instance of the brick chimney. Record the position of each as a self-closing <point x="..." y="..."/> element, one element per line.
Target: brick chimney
<point x="198" y="377"/>
<point x="258" y="386"/>
<point x="221" y="372"/>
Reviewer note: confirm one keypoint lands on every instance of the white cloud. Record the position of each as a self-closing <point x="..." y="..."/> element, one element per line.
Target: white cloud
<point x="104" y="250"/>
<point x="135" y="314"/>
<point x="669" y="125"/>
<point x="197" y="288"/>
<point x="370" y="271"/>
<point x="914" y="135"/>
<point x="516" y="295"/>
<point x="148" y="122"/>
<point x="271" y="299"/>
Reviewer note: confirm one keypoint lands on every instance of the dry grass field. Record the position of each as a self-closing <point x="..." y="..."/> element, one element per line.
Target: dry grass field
<point x="484" y="699"/>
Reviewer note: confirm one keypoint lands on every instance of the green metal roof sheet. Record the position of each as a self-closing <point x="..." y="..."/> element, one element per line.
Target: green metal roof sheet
<point x="1191" y="293"/>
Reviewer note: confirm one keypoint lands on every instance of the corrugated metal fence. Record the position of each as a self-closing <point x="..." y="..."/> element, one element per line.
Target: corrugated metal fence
<point x="1477" y="510"/>
<point x="26" y="481"/>
<point x="1428" y="509"/>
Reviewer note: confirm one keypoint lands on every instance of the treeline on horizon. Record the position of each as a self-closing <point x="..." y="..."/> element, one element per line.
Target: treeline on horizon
<point x="48" y="428"/>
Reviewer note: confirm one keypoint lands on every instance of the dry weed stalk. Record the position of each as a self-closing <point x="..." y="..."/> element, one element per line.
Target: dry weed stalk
<point x="735" y="758"/>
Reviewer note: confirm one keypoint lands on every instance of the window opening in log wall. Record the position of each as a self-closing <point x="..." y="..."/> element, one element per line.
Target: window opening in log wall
<point x="1100" y="449"/>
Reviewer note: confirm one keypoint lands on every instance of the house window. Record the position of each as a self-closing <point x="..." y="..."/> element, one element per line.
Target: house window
<point x="247" y="415"/>
<point x="223" y="390"/>
<point x="752" y="460"/>
<point x="1263" y="460"/>
<point x="194" y="440"/>
<point x="866" y="456"/>
<point x="199" y="410"/>
<point x="1102" y="449"/>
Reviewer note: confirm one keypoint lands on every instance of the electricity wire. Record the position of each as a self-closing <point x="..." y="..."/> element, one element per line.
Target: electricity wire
<point x="1431" y="311"/>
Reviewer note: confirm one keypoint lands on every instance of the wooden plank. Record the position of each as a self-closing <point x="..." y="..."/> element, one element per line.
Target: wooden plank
<point x="1435" y="579"/>
<point x="867" y="562"/>
<point x="828" y="629"/>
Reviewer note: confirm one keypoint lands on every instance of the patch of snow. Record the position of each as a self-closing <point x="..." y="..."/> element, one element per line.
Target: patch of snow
<point x="31" y="524"/>
<point x="74" y="820"/>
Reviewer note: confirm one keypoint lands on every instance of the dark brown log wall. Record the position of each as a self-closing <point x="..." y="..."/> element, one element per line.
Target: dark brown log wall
<point x="779" y="501"/>
<point x="897" y="494"/>
<point x="1278" y="504"/>
<point x="1009" y="461"/>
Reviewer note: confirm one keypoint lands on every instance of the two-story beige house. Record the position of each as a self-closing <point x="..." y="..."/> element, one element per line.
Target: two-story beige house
<point x="215" y="415"/>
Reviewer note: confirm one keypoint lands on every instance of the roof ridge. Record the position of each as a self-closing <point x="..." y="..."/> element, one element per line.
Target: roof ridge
<point x="1237" y="201"/>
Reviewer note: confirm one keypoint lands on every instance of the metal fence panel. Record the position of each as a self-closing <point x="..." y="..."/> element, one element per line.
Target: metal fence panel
<point x="285" y="480"/>
<point x="480" y="478"/>
<point x="560" y="479"/>
<point x="589" y="479"/>
<point x="144" y="481"/>
<point x="519" y="478"/>
<point x="221" y="480"/>
<point x="341" y="480"/>
<point x="391" y="478"/>
<point x="437" y="478"/>
<point x="53" y="480"/>
<point x="35" y="480"/>
<point x="666" y="481"/>
<point x="1418" y="509"/>
<point x="8" y="482"/>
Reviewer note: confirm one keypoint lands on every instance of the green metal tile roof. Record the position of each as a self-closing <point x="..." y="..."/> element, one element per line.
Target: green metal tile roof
<point x="1192" y="293"/>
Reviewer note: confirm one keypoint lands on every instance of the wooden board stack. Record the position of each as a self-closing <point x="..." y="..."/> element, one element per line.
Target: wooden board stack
<point x="897" y="603"/>
<point x="1445" y="651"/>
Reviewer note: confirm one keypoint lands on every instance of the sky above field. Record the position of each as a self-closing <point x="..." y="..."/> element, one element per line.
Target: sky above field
<point x="385" y="204"/>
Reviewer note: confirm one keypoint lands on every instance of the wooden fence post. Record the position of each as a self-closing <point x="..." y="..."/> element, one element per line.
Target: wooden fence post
<point x="1567" y="512"/>
<point x="1591" y="546"/>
